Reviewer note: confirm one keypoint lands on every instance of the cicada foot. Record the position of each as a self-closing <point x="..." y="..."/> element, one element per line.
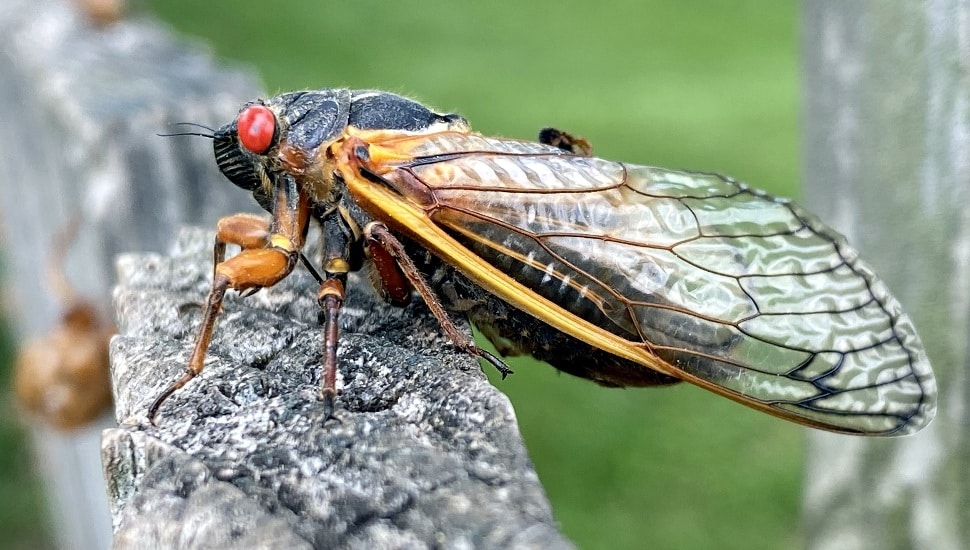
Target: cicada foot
<point x="493" y="360"/>
<point x="329" y="400"/>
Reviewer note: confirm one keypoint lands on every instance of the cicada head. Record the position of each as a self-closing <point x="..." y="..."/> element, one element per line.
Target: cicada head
<point x="255" y="149"/>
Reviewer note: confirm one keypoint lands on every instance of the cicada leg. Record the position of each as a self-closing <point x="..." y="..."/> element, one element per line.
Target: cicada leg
<point x="249" y="231"/>
<point x="386" y="275"/>
<point x="566" y="141"/>
<point x="330" y="298"/>
<point x="379" y="235"/>
<point x="258" y="265"/>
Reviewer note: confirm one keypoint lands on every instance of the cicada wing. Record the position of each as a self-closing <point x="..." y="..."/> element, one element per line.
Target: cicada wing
<point x="736" y="291"/>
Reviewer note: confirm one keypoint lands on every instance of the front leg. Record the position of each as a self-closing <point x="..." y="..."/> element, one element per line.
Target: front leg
<point x="252" y="268"/>
<point x="249" y="231"/>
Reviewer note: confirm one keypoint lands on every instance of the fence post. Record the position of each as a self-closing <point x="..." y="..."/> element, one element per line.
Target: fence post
<point x="887" y="161"/>
<point x="81" y="105"/>
<point x="424" y="451"/>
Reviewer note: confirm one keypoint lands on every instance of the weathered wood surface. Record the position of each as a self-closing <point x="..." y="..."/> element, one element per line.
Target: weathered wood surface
<point x="887" y="160"/>
<point x="81" y="106"/>
<point x="425" y="452"/>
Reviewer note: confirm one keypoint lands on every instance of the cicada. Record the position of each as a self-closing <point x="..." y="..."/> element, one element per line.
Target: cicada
<point x="622" y="274"/>
<point x="62" y="378"/>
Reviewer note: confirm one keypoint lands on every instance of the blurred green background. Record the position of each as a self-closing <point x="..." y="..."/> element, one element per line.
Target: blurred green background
<point x="22" y="516"/>
<point x="709" y="86"/>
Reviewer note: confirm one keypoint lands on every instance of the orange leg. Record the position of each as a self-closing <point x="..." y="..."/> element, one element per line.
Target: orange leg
<point x="255" y="267"/>
<point x="249" y="231"/>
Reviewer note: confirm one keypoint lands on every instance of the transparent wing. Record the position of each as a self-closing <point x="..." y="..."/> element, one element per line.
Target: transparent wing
<point x="729" y="285"/>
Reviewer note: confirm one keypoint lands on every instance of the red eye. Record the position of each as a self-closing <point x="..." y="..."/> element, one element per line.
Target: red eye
<point x="256" y="126"/>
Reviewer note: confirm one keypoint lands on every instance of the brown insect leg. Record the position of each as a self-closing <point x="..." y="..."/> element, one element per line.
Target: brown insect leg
<point x="379" y="235"/>
<point x="212" y="307"/>
<point x="330" y="297"/>
<point x="248" y="270"/>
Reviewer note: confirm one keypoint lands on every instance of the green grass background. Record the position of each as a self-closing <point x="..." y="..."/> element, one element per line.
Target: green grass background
<point x="709" y="86"/>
